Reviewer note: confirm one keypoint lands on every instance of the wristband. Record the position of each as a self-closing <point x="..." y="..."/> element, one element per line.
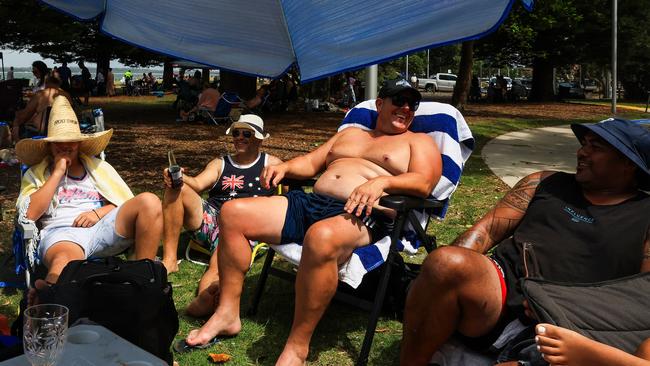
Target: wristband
<point x="97" y="214"/>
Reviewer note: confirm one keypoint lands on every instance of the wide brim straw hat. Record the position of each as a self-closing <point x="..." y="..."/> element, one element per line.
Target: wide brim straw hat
<point x="250" y="122"/>
<point x="63" y="126"/>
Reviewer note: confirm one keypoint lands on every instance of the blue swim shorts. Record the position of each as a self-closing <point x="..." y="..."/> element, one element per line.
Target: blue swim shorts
<point x="305" y="209"/>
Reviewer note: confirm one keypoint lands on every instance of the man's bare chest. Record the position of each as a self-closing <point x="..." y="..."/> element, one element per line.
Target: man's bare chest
<point x="390" y="152"/>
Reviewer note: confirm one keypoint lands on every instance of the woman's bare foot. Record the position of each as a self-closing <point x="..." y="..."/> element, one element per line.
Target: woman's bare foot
<point x="205" y="303"/>
<point x="561" y="346"/>
<point x="217" y="325"/>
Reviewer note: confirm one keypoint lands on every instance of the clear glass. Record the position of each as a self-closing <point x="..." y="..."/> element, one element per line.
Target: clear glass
<point x="44" y="333"/>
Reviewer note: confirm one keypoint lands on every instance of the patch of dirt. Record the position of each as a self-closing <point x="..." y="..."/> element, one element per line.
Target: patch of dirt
<point x="145" y="130"/>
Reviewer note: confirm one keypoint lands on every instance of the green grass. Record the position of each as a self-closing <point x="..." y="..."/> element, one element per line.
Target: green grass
<point x="338" y="338"/>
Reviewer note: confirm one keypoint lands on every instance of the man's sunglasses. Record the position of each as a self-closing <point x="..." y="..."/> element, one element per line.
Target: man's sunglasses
<point x="400" y="99"/>
<point x="247" y="134"/>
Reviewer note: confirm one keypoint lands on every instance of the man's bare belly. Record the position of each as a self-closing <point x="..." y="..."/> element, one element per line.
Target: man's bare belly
<point x="345" y="174"/>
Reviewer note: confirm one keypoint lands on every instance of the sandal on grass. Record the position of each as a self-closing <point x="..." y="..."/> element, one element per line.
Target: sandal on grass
<point x="181" y="346"/>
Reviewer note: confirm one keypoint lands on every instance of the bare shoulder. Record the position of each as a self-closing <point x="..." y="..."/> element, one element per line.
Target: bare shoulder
<point x="420" y="140"/>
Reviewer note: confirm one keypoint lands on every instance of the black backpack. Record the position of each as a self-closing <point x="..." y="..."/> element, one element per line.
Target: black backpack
<point x="131" y="298"/>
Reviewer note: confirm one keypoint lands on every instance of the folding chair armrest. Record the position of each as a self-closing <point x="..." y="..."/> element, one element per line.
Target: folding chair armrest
<point x="26" y="230"/>
<point x="401" y="203"/>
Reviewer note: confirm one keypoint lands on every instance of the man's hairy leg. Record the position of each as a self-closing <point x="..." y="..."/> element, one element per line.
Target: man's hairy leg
<point x="259" y="218"/>
<point x="458" y="289"/>
<point x="181" y="207"/>
<point x="561" y="346"/>
<point x="207" y="296"/>
<point x="327" y="243"/>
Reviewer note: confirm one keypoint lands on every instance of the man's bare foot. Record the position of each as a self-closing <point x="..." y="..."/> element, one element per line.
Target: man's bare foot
<point x="291" y="357"/>
<point x="171" y="264"/>
<point x="32" y="293"/>
<point x="561" y="346"/>
<point x="216" y="325"/>
<point x="205" y="303"/>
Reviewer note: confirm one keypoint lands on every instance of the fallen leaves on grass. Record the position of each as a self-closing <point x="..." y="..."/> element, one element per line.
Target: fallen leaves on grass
<point x="219" y="357"/>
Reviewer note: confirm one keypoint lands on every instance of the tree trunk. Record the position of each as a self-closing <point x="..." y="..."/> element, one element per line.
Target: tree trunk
<point x="103" y="63"/>
<point x="542" y="88"/>
<point x="205" y="75"/>
<point x="245" y="86"/>
<point x="461" y="90"/>
<point x="168" y="75"/>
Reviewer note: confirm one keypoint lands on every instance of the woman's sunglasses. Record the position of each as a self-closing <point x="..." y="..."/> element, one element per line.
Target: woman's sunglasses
<point x="247" y="134"/>
<point x="400" y="99"/>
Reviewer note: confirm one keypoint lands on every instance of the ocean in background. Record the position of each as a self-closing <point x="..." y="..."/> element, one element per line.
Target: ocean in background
<point x="26" y="72"/>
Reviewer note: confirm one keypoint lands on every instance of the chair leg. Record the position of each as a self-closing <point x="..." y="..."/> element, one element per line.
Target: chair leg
<point x="376" y="309"/>
<point x="259" y="289"/>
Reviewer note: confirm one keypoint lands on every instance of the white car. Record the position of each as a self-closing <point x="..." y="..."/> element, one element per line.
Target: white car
<point x="438" y="82"/>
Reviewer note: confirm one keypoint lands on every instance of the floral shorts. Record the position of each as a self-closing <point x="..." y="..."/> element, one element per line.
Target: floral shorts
<point x="208" y="233"/>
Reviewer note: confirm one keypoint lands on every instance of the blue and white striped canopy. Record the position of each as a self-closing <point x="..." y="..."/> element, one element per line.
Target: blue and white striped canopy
<point x="266" y="37"/>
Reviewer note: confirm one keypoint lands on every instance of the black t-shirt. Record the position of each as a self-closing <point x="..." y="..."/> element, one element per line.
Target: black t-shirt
<point x="572" y="240"/>
<point x="238" y="181"/>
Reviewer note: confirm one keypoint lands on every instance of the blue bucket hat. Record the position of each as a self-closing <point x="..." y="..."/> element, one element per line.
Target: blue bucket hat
<point x="628" y="137"/>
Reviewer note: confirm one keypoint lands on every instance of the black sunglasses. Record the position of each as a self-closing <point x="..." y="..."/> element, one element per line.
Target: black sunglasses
<point x="247" y="134"/>
<point x="400" y="99"/>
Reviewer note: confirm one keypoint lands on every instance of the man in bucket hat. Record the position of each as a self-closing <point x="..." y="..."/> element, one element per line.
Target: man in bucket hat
<point x="586" y="227"/>
<point x="81" y="205"/>
<point x="232" y="176"/>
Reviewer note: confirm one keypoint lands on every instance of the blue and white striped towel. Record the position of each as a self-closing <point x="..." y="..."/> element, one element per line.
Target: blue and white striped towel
<point x="448" y="129"/>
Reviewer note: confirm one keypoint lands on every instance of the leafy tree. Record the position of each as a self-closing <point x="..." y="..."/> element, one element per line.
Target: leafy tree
<point x="34" y="27"/>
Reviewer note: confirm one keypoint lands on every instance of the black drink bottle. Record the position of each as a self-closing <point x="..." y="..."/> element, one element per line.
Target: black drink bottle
<point x="174" y="171"/>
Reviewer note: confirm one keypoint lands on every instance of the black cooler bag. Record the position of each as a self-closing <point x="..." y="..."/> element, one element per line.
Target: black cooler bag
<point x="131" y="298"/>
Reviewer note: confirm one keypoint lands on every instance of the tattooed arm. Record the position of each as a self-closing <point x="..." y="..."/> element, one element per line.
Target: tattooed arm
<point x="502" y="220"/>
<point x="645" y="264"/>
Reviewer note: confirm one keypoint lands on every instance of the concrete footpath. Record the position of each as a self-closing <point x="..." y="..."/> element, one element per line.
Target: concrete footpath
<point x="516" y="154"/>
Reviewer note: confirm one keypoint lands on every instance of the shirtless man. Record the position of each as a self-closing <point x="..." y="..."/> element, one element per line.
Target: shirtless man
<point x="32" y="120"/>
<point x="358" y="167"/>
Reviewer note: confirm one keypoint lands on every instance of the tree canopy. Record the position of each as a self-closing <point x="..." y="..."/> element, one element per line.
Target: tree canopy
<point x="34" y="27"/>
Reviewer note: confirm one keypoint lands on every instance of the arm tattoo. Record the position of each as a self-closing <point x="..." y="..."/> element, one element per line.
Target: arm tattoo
<point x="502" y="220"/>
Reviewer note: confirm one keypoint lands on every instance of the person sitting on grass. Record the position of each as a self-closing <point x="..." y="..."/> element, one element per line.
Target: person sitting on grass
<point x="358" y="167"/>
<point x="79" y="203"/>
<point x="585" y="227"/>
<point x="225" y="178"/>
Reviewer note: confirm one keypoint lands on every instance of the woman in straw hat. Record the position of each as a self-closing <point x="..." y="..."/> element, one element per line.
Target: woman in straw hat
<point x="80" y="204"/>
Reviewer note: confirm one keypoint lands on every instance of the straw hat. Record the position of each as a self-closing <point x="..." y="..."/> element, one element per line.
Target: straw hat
<point x="63" y="126"/>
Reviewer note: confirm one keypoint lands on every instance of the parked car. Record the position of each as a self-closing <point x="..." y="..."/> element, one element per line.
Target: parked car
<point x="591" y="85"/>
<point x="570" y="90"/>
<point x="438" y="82"/>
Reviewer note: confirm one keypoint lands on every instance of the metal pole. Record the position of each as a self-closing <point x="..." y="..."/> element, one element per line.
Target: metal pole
<point x="428" y="64"/>
<point x="614" y="45"/>
<point x="371" y="82"/>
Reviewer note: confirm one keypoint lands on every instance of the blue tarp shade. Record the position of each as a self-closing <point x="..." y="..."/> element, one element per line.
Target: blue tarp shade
<point x="265" y="37"/>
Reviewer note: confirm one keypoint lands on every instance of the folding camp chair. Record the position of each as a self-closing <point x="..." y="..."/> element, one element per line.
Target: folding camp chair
<point x="25" y="236"/>
<point x="228" y="110"/>
<point x="450" y="132"/>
